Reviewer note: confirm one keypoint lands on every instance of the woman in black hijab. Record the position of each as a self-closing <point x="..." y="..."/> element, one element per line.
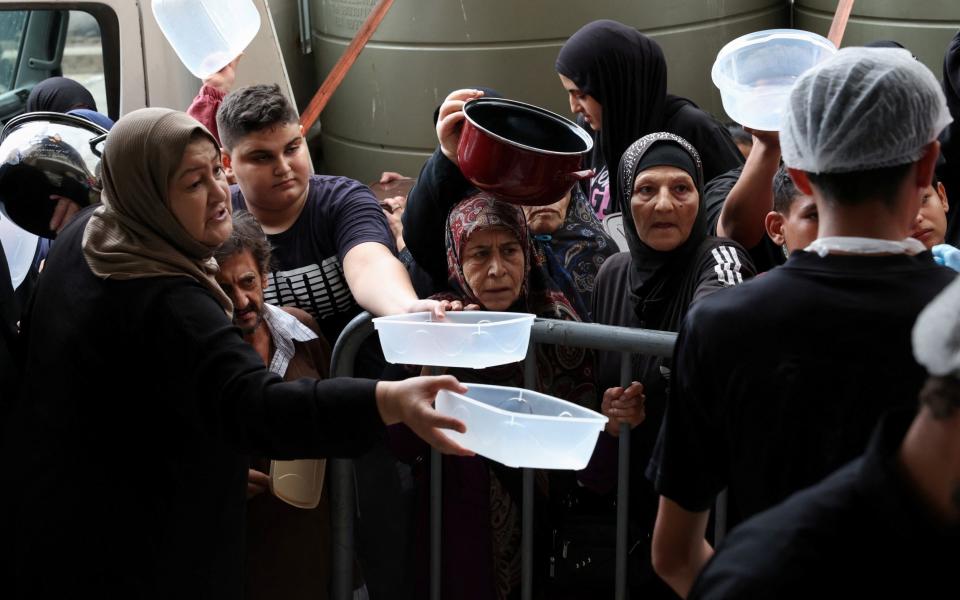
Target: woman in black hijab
<point x="671" y="264"/>
<point x="617" y="81"/>
<point x="59" y="94"/>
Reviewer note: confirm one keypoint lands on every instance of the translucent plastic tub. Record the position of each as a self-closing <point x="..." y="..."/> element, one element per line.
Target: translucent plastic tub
<point x="207" y="34"/>
<point x="470" y="339"/>
<point x="756" y="72"/>
<point x="520" y="428"/>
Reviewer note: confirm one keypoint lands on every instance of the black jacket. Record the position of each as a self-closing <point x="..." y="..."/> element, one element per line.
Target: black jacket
<point x="140" y="405"/>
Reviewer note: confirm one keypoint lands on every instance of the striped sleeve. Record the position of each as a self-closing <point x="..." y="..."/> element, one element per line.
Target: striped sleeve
<point x="726" y="264"/>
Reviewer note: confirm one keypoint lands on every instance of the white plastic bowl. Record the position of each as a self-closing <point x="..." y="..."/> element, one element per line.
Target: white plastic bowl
<point x="520" y="428"/>
<point x="756" y="72"/>
<point x="207" y="34"/>
<point x="469" y="339"/>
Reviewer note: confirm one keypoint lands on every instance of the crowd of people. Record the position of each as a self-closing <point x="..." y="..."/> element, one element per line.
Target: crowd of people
<point x="178" y="340"/>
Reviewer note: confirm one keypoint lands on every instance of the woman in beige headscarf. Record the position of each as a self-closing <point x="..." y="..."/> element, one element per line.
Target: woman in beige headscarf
<point x="141" y="400"/>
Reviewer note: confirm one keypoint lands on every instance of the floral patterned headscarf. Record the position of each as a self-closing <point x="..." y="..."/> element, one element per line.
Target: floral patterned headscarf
<point x="478" y="213"/>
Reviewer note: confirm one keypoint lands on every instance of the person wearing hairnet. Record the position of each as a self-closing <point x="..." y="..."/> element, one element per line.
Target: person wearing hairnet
<point x="885" y="525"/>
<point x="780" y="381"/>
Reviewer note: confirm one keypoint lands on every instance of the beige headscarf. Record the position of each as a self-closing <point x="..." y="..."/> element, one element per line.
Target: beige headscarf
<point x="134" y="234"/>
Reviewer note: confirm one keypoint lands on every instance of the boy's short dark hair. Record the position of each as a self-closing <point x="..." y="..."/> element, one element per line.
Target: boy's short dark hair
<point x="250" y="109"/>
<point x="785" y="192"/>
<point x="247" y="235"/>
<point x="739" y="134"/>
<point x="854" y="188"/>
<point x="941" y="395"/>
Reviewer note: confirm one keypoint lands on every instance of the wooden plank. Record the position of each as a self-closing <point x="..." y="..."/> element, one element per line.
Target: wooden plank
<point x="339" y="71"/>
<point x="839" y="24"/>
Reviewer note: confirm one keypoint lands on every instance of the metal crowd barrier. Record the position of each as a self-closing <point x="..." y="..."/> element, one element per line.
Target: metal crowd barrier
<point x="545" y="331"/>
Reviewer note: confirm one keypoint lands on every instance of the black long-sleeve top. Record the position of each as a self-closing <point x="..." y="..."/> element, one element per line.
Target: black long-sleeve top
<point x="141" y="404"/>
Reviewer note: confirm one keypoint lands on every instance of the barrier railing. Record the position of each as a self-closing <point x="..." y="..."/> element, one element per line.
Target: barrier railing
<point x="624" y="340"/>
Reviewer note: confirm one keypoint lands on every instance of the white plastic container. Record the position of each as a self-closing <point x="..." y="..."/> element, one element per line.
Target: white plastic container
<point x="469" y="339"/>
<point x="207" y="34"/>
<point x="298" y="482"/>
<point x="520" y="428"/>
<point x="756" y="72"/>
<point x="19" y="246"/>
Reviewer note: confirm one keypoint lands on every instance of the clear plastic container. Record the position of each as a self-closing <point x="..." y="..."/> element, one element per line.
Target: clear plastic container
<point x="207" y="34"/>
<point x="19" y="247"/>
<point x="468" y="339"/>
<point x="520" y="428"/>
<point x="756" y="72"/>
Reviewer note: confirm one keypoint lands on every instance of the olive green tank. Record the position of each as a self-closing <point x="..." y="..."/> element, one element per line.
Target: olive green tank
<point x="925" y="27"/>
<point x="380" y="119"/>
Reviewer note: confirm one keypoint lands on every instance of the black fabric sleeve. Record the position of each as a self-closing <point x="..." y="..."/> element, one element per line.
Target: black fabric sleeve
<point x="724" y="265"/>
<point x="439" y="187"/>
<point x="356" y="217"/>
<point x="688" y="464"/>
<point x="718" y="152"/>
<point x="217" y="381"/>
<point x="715" y="195"/>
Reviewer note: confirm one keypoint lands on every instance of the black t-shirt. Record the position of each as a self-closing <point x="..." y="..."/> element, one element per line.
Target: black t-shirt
<point x="780" y="381"/>
<point x="860" y="533"/>
<point x="766" y="255"/>
<point x="307" y="268"/>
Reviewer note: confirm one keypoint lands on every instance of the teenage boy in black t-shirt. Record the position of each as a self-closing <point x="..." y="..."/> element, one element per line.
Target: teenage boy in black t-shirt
<point x="333" y="256"/>
<point x="781" y="380"/>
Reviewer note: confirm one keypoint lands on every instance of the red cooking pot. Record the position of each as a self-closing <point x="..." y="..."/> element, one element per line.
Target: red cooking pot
<point x="521" y="153"/>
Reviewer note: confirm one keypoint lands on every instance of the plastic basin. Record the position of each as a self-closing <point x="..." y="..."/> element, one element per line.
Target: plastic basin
<point x="207" y="34"/>
<point x="520" y="428"/>
<point x="469" y="339"/>
<point x="756" y="72"/>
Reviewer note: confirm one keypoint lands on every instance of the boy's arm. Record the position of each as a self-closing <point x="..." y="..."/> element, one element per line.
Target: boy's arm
<point x="380" y="283"/>
<point x="747" y="205"/>
<point x="679" y="548"/>
<point x="212" y="92"/>
<point x="204" y="108"/>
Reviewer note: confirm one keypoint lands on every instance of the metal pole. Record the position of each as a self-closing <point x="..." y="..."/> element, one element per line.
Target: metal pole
<point x="436" y="522"/>
<point x="603" y="337"/>
<point x="720" y="518"/>
<point x="526" y="543"/>
<point x="342" y="504"/>
<point x="343" y="500"/>
<point x="623" y="488"/>
<point x="436" y="514"/>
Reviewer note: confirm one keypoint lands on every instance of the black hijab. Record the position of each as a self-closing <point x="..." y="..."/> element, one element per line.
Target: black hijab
<point x="658" y="149"/>
<point x="625" y="72"/>
<point x="59" y="94"/>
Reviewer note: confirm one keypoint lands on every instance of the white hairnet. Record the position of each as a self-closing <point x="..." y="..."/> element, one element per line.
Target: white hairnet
<point x="936" y="334"/>
<point x="861" y="109"/>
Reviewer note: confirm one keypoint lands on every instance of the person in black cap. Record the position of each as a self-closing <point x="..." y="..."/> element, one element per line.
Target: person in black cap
<point x="780" y="382"/>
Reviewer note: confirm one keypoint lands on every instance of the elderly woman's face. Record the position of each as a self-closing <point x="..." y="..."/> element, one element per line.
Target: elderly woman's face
<point x="664" y="207"/>
<point x="493" y="265"/>
<point x="547" y="219"/>
<point x="198" y="194"/>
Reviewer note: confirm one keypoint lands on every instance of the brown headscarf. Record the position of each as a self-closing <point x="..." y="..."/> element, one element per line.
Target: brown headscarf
<point x="134" y="234"/>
